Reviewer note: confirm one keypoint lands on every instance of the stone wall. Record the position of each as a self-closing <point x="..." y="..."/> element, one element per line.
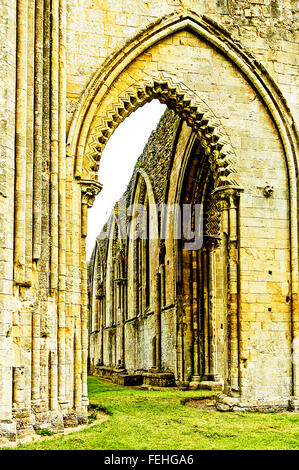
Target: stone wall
<point x="70" y="73"/>
<point x="231" y="95"/>
<point x="96" y="29"/>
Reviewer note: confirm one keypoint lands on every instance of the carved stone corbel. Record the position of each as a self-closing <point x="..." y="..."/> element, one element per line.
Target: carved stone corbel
<point x="227" y="196"/>
<point x="221" y="199"/>
<point x="89" y="190"/>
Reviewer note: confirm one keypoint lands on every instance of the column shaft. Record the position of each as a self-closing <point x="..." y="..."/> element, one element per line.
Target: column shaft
<point x="62" y="202"/>
<point x="20" y="143"/>
<point x="158" y="319"/>
<point x="122" y="325"/>
<point x="54" y="144"/>
<point x="212" y="313"/>
<point x="38" y="127"/>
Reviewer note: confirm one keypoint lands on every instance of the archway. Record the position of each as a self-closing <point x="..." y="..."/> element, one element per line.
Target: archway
<point x="206" y="255"/>
<point x="134" y="79"/>
<point x="249" y="137"/>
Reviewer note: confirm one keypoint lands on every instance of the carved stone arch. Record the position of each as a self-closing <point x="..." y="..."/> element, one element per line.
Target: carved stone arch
<point x="221" y="39"/>
<point x="196" y="185"/>
<point x="204" y="27"/>
<point x="150" y="244"/>
<point x="251" y="69"/>
<point x="198" y="175"/>
<point x="142" y="176"/>
<point x="187" y="105"/>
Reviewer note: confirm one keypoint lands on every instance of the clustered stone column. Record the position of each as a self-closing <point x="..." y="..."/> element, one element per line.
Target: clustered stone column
<point x="89" y="189"/>
<point x="157" y="313"/>
<point x="228" y="204"/>
<point x="200" y="314"/>
<point x="121" y="284"/>
<point x="205" y="367"/>
<point x="36" y="41"/>
<point x="211" y="372"/>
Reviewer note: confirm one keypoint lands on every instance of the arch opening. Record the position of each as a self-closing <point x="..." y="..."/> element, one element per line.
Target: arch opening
<point x="223" y="203"/>
<point x="117" y="164"/>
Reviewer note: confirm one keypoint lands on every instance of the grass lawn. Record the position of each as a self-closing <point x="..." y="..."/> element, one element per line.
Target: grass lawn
<point x="156" y="420"/>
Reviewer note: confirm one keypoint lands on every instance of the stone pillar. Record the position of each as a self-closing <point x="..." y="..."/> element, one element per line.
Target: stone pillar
<point x="36" y="362"/>
<point x="84" y="306"/>
<point x="84" y="320"/>
<point x="205" y="313"/>
<point x="195" y="287"/>
<point x="62" y="208"/>
<point x="233" y="290"/>
<point x="54" y="138"/>
<point x="37" y="190"/>
<point x="53" y="381"/>
<point x="20" y="143"/>
<point x="196" y="275"/>
<point x="122" y="324"/>
<point x="213" y="375"/>
<point x="89" y="190"/>
<point x="211" y="378"/>
<point x="77" y="366"/>
<point x="44" y="374"/>
<point x="187" y="315"/>
<point x="29" y="143"/>
<point x="112" y="297"/>
<point x="101" y="328"/>
<point x="157" y="365"/>
<point x="97" y="314"/>
<point x="7" y="162"/>
<point x="18" y="388"/>
<point x="38" y="127"/>
<point x="228" y="203"/>
<point x="21" y="411"/>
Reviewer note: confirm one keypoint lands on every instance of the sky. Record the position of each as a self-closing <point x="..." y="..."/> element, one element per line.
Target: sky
<point x="117" y="164"/>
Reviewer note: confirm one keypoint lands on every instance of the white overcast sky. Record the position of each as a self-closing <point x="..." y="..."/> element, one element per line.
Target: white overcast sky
<point x="117" y="164"/>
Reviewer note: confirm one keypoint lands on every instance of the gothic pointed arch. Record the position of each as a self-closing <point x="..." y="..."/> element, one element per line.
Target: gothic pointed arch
<point x="218" y="37"/>
<point x="113" y="94"/>
<point x="187" y="105"/>
<point x="143" y="244"/>
<point x="81" y="135"/>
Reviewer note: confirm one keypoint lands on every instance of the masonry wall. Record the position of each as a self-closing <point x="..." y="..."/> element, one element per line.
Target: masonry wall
<point x="8" y="70"/>
<point x="259" y="280"/>
<point x="50" y="51"/>
<point x="98" y="28"/>
<point x="34" y="390"/>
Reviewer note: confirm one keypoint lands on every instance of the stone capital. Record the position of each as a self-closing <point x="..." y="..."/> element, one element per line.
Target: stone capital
<point x="100" y="291"/>
<point x="212" y="242"/>
<point x="89" y="190"/>
<point x="120" y="281"/>
<point x="226" y="196"/>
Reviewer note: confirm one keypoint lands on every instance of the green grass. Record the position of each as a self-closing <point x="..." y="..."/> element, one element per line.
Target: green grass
<point x="44" y="432"/>
<point x="157" y="420"/>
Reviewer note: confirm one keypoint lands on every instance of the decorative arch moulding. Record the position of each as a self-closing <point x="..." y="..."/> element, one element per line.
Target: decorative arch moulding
<point x="214" y="34"/>
<point x="86" y="157"/>
<point x="187" y="105"/>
